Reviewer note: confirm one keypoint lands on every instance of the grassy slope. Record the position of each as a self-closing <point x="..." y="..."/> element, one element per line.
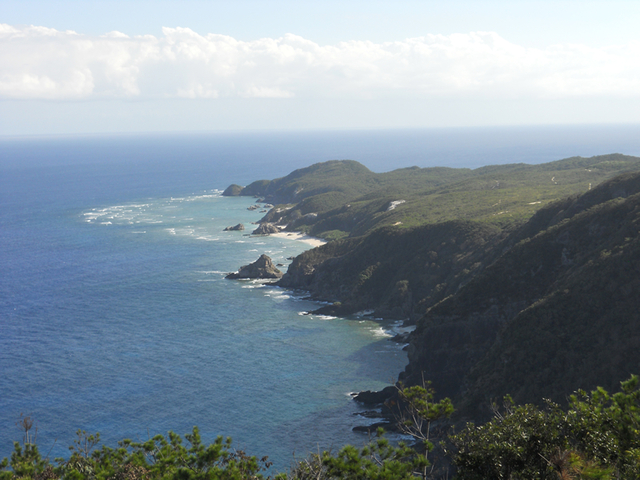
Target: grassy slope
<point x="558" y="311"/>
<point x="343" y="198"/>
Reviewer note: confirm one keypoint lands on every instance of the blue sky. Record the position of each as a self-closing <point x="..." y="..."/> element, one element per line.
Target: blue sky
<point x="82" y="66"/>
<point x="532" y="23"/>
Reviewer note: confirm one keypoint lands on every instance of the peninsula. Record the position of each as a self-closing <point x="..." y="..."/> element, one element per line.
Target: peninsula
<point x="520" y="279"/>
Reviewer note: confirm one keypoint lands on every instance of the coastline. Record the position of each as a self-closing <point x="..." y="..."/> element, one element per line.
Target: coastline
<point x="302" y="237"/>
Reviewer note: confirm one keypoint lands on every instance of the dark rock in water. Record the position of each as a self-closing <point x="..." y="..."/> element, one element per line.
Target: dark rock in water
<point x="370" y="414"/>
<point x="261" y="268"/>
<point x="266" y="229"/>
<point x="371" y="429"/>
<point x="334" y="310"/>
<point x="232" y="190"/>
<point x="375" y="398"/>
<point x="253" y="207"/>
<point x="401" y="338"/>
<point x="238" y="227"/>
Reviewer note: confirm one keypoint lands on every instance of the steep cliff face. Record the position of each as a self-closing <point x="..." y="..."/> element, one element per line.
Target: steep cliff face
<point x="398" y="273"/>
<point x="557" y="311"/>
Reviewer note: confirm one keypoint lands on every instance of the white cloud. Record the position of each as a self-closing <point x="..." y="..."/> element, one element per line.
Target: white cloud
<point x="43" y="63"/>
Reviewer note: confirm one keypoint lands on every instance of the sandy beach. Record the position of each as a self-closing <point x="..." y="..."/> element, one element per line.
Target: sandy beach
<point x="313" y="241"/>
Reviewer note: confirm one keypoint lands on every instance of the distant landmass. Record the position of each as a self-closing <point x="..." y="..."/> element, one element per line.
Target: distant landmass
<point x="520" y="279"/>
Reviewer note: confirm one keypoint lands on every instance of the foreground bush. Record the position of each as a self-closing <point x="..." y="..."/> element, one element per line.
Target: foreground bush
<point x="597" y="437"/>
<point x="158" y="458"/>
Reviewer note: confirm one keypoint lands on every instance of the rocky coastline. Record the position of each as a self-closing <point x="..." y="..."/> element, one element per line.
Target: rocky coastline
<point x="264" y="269"/>
<point x="512" y="284"/>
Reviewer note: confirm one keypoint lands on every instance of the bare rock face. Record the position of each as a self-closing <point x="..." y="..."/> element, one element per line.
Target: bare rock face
<point x="261" y="268"/>
<point x="266" y="229"/>
<point x="238" y="227"/>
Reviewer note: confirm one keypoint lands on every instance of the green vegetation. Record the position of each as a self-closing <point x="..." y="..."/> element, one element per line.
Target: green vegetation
<point x="400" y="273"/>
<point x="556" y="308"/>
<point x="159" y="457"/>
<point x="521" y="280"/>
<point x="386" y="221"/>
<point x="345" y="196"/>
<point x="596" y="437"/>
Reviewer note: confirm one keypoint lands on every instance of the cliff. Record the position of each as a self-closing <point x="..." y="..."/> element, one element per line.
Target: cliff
<point x="522" y="279"/>
<point x="399" y="273"/>
<point x="339" y="199"/>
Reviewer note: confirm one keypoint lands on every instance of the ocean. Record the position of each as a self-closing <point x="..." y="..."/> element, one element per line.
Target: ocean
<point x="115" y="316"/>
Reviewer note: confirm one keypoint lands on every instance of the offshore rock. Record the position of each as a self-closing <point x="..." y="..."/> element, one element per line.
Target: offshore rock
<point x="266" y="229"/>
<point x="261" y="268"/>
<point x="238" y="227"/>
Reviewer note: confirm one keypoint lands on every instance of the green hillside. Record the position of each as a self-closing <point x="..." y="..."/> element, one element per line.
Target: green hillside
<point x="522" y="279"/>
<point x="343" y="198"/>
<point x="556" y="312"/>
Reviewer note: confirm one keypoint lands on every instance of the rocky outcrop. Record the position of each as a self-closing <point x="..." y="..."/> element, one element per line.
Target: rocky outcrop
<point x="261" y="268"/>
<point x="238" y="227"/>
<point x="266" y="229"/>
<point x="376" y="398"/>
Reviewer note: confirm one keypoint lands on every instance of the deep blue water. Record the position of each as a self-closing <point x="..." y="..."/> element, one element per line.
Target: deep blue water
<point x="114" y="313"/>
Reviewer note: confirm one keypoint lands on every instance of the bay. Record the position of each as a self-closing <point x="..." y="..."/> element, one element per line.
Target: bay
<point x="114" y="313"/>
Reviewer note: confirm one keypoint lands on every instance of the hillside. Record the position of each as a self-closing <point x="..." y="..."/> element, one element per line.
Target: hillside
<point x="521" y="279"/>
<point x="397" y="272"/>
<point x="339" y="199"/>
<point x="557" y="312"/>
<point x="401" y="261"/>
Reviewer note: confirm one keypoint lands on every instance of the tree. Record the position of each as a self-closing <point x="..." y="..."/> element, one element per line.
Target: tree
<point x="417" y="411"/>
<point x="379" y="460"/>
<point x="597" y="437"/>
<point x="158" y="458"/>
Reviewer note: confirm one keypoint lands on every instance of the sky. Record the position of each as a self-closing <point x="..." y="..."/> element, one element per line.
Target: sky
<point x="103" y="66"/>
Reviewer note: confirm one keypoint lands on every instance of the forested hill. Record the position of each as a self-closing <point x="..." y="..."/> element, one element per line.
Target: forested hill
<point x="558" y="310"/>
<point x="522" y="279"/>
